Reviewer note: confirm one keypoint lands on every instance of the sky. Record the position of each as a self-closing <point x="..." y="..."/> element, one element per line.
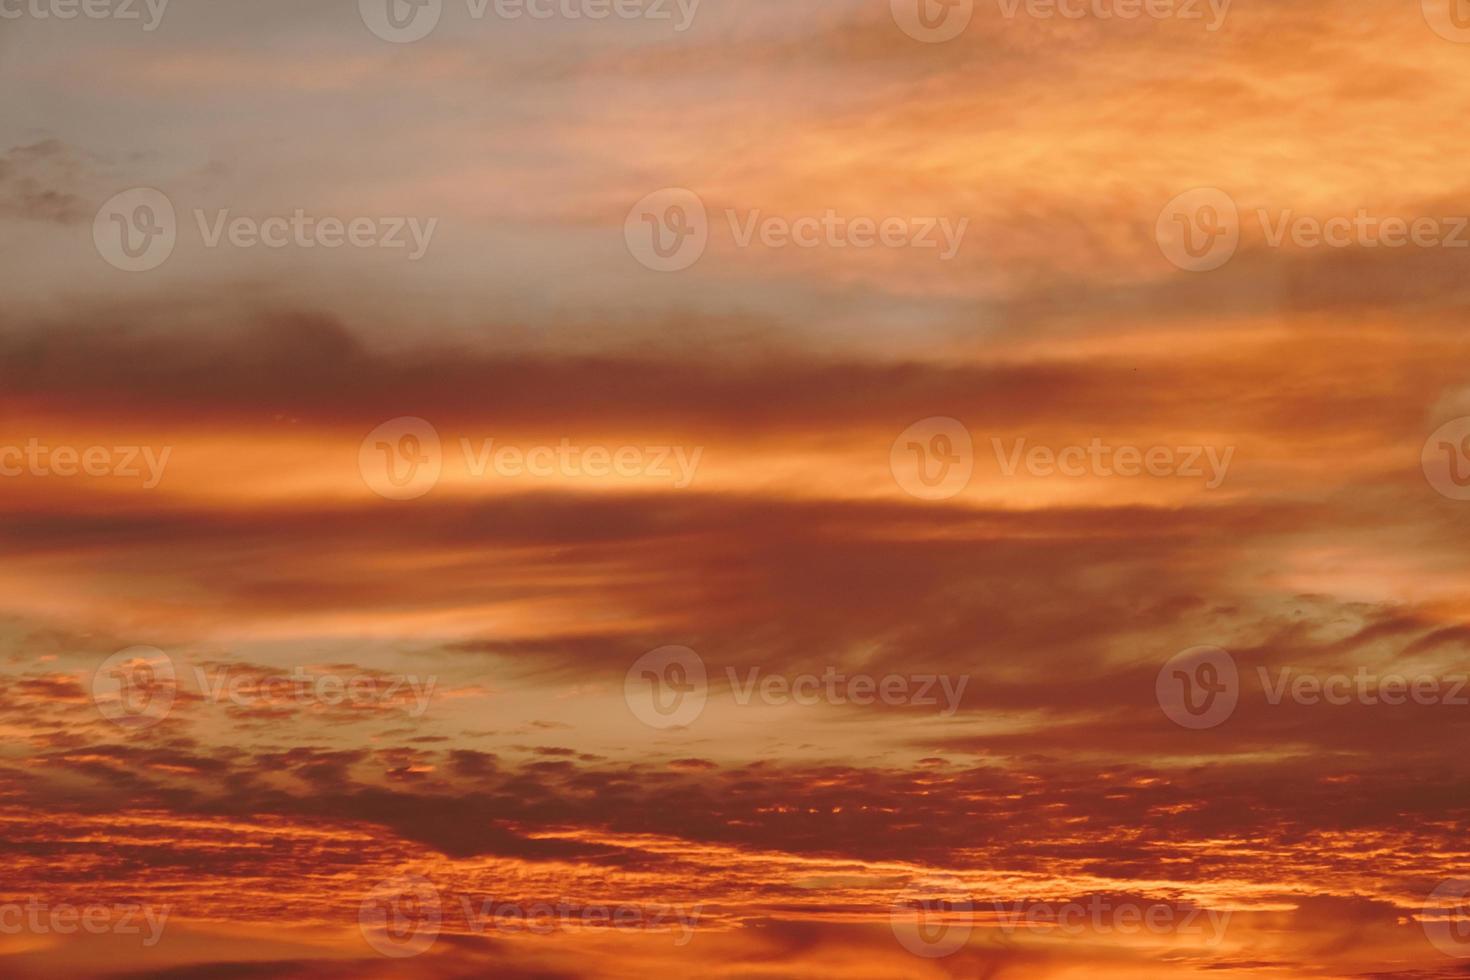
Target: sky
<point x="611" y="488"/>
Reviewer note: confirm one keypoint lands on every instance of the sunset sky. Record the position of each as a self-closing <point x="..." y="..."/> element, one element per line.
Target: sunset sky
<point x="737" y="488"/>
